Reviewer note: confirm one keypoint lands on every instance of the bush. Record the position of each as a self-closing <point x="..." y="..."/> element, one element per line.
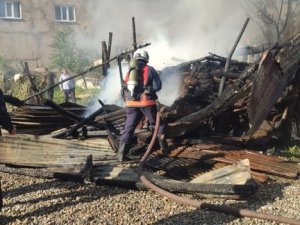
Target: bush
<point x="293" y="151"/>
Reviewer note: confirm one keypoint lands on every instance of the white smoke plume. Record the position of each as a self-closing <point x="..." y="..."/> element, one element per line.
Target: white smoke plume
<point x="110" y="90"/>
<point x="182" y="29"/>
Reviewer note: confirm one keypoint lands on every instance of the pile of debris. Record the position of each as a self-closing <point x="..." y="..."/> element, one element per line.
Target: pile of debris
<point x="213" y="134"/>
<point x="257" y="110"/>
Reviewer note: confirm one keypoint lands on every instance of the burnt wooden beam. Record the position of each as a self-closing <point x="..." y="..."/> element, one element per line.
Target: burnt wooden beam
<point x="120" y="113"/>
<point x="193" y="120"/>
<point x="104" y="58"/>
<point x="134" y="34"/>
<point x="230" y="56"/>
<point x="111" y="139"/>
<point x="116" y="176"/>
<point x="79" y="124"/>
<point x="110" y="36"/>
<point x="62" y="111"/>
<point x="65" y="173"/>
<point x="33" y="86"/>
<point x="228" y="74"/>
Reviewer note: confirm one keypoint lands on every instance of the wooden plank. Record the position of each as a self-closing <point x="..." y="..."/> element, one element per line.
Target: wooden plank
<point x="115" y="173"/>
<point x="238" y="173"/>
<point x="116" y="176"/>
<point x="77" y="173"/>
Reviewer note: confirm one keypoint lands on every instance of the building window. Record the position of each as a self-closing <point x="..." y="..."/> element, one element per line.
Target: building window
<point x="65" y="13"/>
<point x="10" y="9"/>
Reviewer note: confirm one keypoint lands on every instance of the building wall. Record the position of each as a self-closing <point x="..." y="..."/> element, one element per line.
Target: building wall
<point x="30" y="38"/>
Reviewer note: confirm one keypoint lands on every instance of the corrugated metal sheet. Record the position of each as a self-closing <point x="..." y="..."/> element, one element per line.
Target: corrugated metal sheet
<point x="41" y="151"/>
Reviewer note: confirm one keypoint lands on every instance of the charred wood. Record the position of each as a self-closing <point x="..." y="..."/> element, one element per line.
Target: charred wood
<point x="62" y="111"/>
<point x="230" y="55"/>
<point x="277" y="69"/>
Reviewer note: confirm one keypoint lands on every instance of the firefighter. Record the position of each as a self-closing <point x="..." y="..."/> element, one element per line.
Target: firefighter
<point x="141" y="84"/>
<point x="5" y="120"/>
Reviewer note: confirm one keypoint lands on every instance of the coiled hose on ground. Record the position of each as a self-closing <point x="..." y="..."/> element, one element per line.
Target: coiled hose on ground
<point x="198" y="204"/>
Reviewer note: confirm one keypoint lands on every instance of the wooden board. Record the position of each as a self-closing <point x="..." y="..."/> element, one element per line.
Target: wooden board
<point x="238" y="173"/>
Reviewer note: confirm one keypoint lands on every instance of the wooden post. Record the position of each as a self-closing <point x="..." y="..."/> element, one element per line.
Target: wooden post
<point x="121" y="77"/>
<point x="33" y="87"/>
<point x="134" y="34"/>
<point x="104" y="58"/>
<point x="230" y="56"/>
<point x="110" y="36"/>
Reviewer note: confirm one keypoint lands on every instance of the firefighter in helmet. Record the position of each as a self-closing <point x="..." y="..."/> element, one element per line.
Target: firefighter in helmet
<point x="142" y="82"/>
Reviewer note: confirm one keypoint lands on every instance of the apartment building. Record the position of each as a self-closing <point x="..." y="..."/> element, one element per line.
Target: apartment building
<point x="27" y="27"/>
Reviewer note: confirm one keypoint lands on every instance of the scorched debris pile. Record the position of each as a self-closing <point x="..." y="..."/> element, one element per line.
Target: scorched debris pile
<point x="258" y="109"/>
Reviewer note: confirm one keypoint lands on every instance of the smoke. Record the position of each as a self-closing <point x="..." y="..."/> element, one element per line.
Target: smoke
<point x="171" y="80"/>
<point x="182" y="29"/>
<point x="110" y="90"/>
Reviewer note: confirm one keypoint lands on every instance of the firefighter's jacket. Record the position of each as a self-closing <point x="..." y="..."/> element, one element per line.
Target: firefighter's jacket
<point x="145" y="93"/>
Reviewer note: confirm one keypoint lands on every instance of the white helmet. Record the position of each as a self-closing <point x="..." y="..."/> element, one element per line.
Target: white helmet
<point x="142" y="55"/>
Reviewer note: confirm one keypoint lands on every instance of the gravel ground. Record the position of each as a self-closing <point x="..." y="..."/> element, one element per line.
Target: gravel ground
<point x="29" y="200"/>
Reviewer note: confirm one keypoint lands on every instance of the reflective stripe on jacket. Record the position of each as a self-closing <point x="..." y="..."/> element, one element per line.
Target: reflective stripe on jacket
<point x="149" y="84"/>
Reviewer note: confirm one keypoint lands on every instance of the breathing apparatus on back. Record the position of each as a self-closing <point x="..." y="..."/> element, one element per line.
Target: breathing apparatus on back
<point x="140" y="59"/>
<point x="133" y="81"/>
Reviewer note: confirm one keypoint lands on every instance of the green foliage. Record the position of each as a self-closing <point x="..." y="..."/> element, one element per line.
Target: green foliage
<point x="82" y="95"/>
<point x="65" y="54"/>
<point x="3" y="63"/>
<point x="293" y="151"/>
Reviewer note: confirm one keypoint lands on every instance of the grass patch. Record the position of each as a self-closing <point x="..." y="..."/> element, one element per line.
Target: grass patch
<point x="82" y="95"/>
<point x="293" y="152"/>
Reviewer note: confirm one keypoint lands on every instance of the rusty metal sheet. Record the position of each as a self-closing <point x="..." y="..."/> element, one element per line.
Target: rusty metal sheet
<point x="267" y="87"/>
<point x="277" y="69"/>
<point x="258" y="162"/>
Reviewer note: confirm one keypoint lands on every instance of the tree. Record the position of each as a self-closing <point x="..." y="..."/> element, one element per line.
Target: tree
<point x="277" y="19"/>
<point x="66" y="54"/>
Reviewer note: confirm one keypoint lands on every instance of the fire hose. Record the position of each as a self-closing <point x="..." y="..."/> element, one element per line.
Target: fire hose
<point x="196" y="203"/>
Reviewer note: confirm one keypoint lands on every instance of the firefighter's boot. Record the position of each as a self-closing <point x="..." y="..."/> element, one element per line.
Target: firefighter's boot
<point x="163" y="144"/>
<point x="123" y="150"/>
